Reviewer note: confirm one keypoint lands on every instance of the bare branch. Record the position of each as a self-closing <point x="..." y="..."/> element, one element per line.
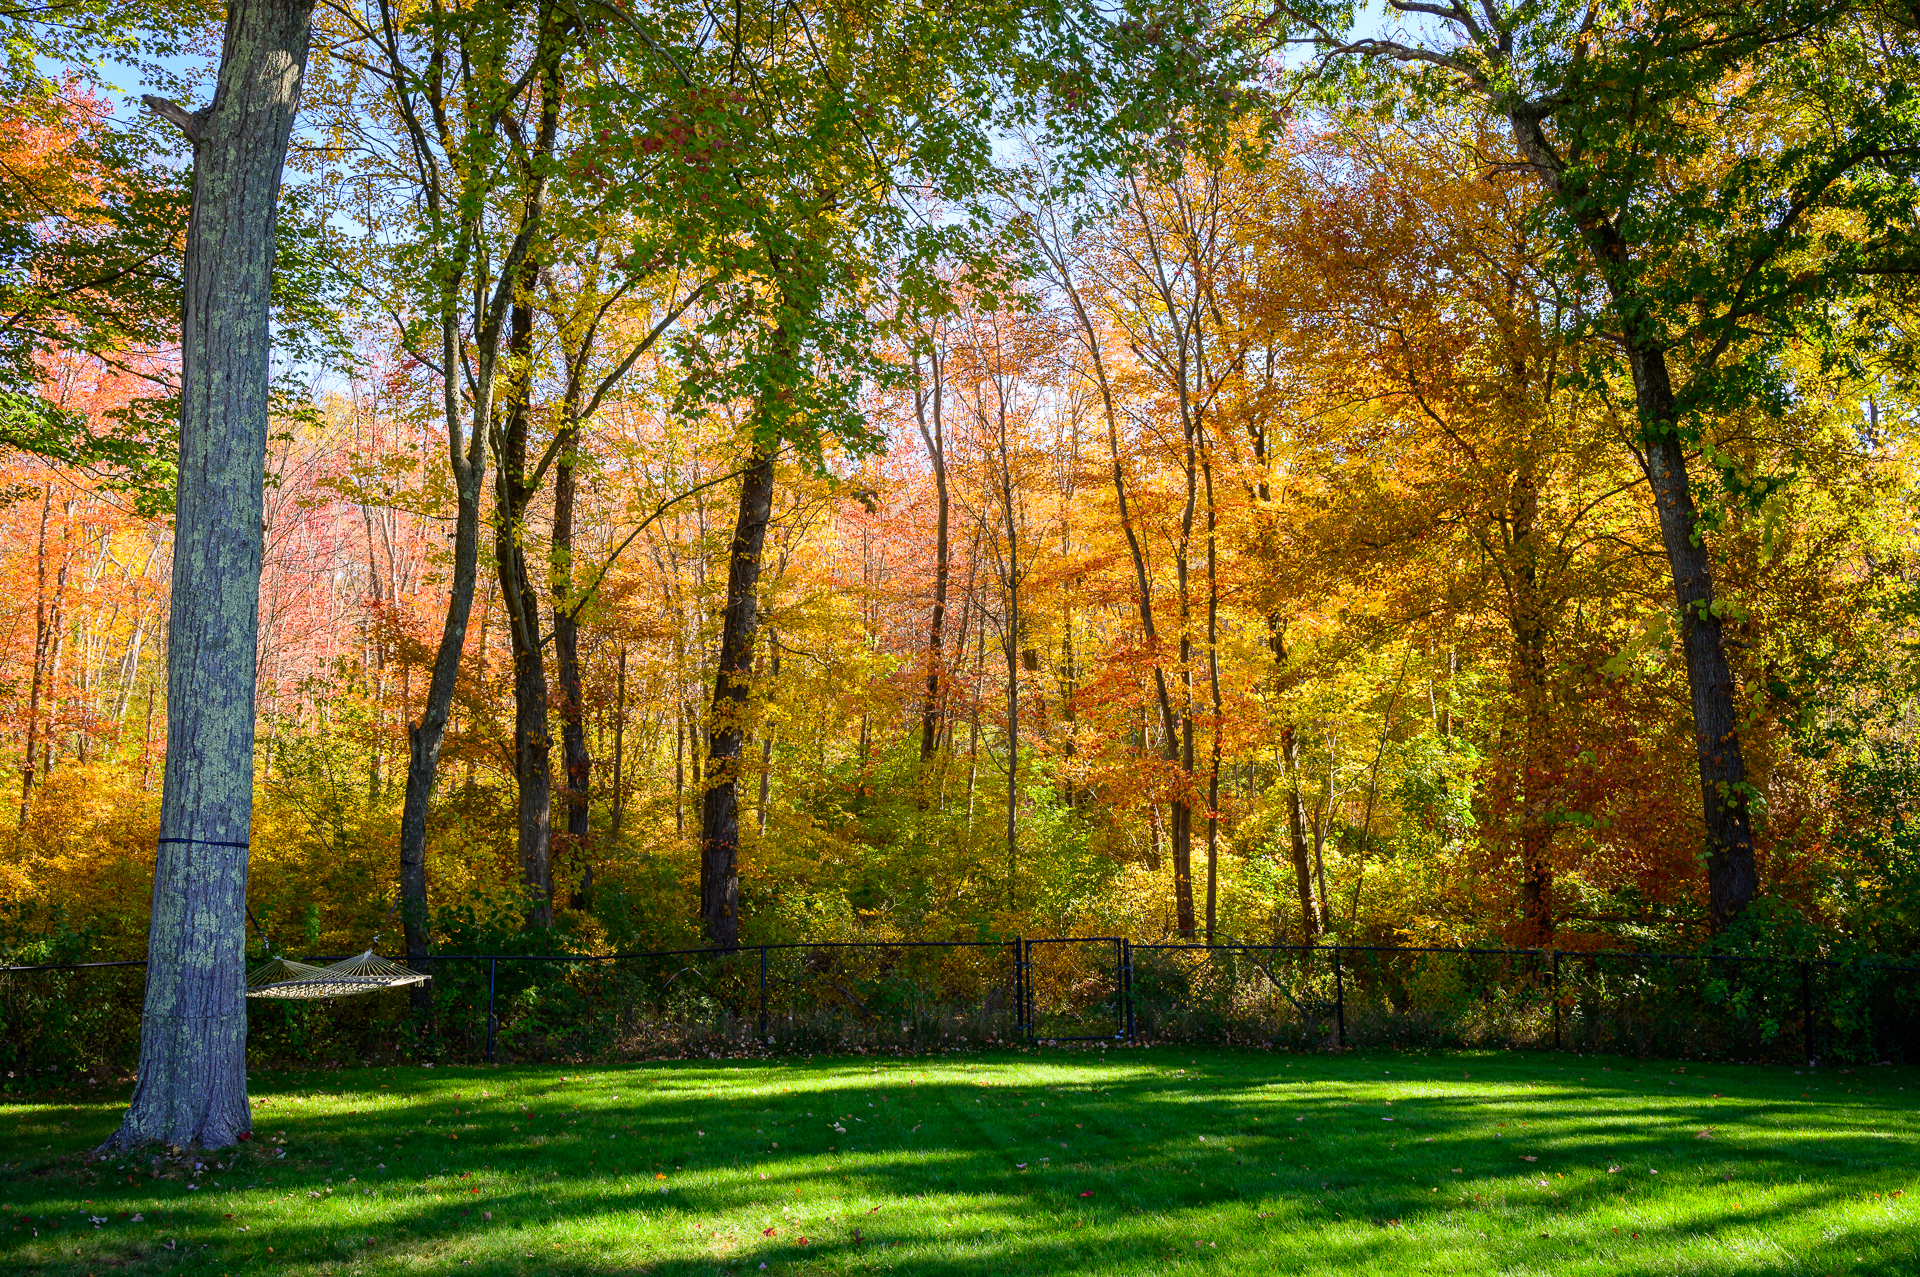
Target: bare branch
<point x="188" y="122"/>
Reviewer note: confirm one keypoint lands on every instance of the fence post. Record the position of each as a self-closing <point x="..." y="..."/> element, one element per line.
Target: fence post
<point x="763" y="993"/>
<point x="493" y="965"/>
<point x="1026" y="986"/>
<point x="1126" y="948"/>
<point x="1019" y="994"/>
<point x="1806" y="1009"/>
<point x="1339" y="1004"/>
<point x="1556" y="999"/>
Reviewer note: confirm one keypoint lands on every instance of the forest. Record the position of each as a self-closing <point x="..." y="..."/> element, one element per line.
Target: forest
<point x="880" y="469"/>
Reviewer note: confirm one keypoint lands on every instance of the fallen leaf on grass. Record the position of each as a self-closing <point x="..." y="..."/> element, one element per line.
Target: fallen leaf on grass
<point x="1088" y="1193"/>
<point x="1528" y="1157"/>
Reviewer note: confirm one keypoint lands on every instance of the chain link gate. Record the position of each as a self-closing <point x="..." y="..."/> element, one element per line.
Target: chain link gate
<point x="1074" y="990"/>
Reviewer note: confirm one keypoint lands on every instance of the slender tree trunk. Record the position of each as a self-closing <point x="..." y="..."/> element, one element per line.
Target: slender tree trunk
<point x="469" y="413"/>
<point x="679" y="767"/>
<point x="576" y="765"/>
<point x="1323" y="812"/>
<point x="1013" y="666"/>
<point x="1213" y="684"/>
<point x="766" y="743"/>
<point x="928" y="403"/>
<point x="57" y="632"/>
<point x="146" y="745"/>
<point x="532" y="744"/>
<point x="42" y="635"/>
<point x="973" y="725"/>
<point x="1529" y="686"/>
<point x="1181" y="822"/>
<point x="1297" y="832"/>
<point x="466" y="454"/>
<point x="1183" y="813"/>
<point x="619" y="742"/>
<point x="192" y="1080"/>
<point x="732" y="689"/>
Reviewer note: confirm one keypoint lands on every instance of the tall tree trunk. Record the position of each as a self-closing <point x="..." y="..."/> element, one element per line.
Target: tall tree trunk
<point x="467" y="459"/>
<point x="532" y="745"/>
<point x="57" y="633"/>
<point x="1725" y="795"/>
<point x="467" y="340"/>
<point x="732" y="689"/>
<point x="192" y="1087"/>
<point x="1183" y="812"/>
<point x="679" y="767"/>
<point x="1213" y="684"/>
<point x="42" y="636"/>
<point x="766" y="742"/>
<point x="973" y="723"/>
<point x="619" y="750"/>
<point x="1297" y="834"/>
<point x="1733" y="876"/>
<point x="1013" y="663"/>
<point x="1181" y="821"/>
<point x="927" y="403"/>
<point x="576" y="765"/>
<point x="1529" y="686"/>
<point x="1323" y="811"/>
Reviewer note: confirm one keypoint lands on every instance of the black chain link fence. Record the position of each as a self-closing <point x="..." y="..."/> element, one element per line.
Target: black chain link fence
<point x="965" y="995"/>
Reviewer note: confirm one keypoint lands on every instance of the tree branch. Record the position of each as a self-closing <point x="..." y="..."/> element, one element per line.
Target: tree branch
<point x="188" y="122"/>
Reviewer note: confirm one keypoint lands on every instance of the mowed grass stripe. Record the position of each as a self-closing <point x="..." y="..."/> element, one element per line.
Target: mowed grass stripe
<point x="1122" y="1162"/>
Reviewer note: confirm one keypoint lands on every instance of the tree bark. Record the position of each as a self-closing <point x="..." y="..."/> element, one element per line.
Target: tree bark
<point x="1181" y="815"/>
<point x="1733" y="876"/>
<point x="466" y="340"/>
<point x="1725" y="795"/>
<point x="1012" y="644"/>
<point x="42" y="636"/>
<point x="192" y="1082"/>
<point x="532" y="745"/>
<point x="927" y="403"/>
<point x="766" y="742"/>
<point x="732" y="688"/>
<point x="1213" y="684"/>
<point x="619" y="748"/>
<point x="1297" y="835"/>
<point x="576" y="765"/>
<point x="1528" y="620"/>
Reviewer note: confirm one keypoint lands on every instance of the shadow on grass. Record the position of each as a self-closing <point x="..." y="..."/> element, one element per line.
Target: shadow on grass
<point x="1132" y="1163"/>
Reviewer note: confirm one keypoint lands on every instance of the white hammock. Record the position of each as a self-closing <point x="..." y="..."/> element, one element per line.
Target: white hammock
<point x="368" y="973"/>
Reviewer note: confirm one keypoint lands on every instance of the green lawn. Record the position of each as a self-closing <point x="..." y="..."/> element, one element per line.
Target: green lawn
<point x="1139" y="1161"/>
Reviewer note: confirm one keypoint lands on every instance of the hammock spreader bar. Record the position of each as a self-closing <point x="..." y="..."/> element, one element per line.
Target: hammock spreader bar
<point x="368" y="973"/>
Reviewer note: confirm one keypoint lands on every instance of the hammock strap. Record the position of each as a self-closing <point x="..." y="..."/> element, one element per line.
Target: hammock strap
<point x="265" y="943"/>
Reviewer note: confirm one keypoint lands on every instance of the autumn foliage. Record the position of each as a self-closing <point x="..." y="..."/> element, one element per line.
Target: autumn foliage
<point x="1291" y="551"/>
